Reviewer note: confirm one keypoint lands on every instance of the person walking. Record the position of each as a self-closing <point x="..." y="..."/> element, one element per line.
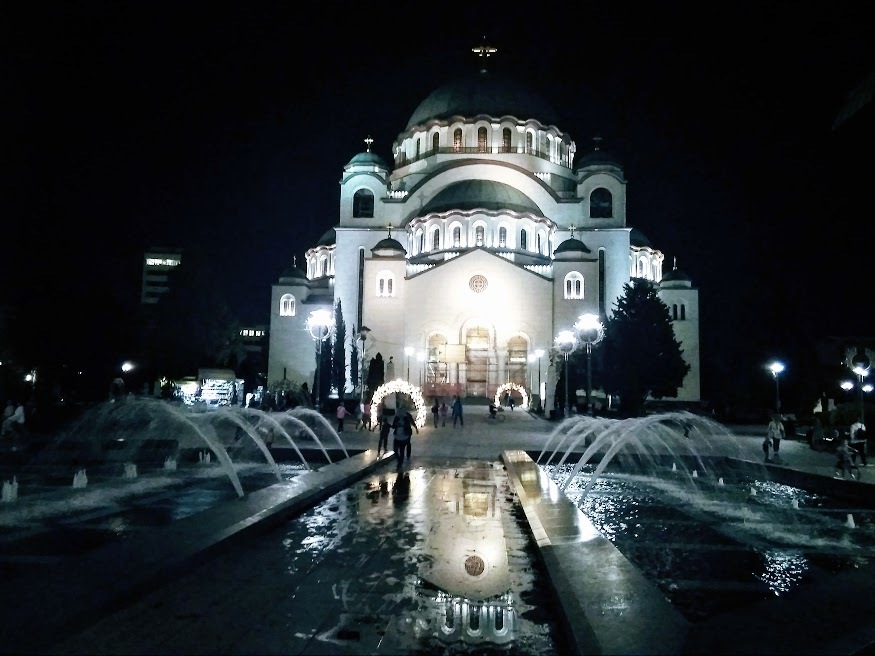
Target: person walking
<point x="510" y="401"/>
<point x="775" y="434"/>
<point x="845" y="455"/>
<point x="403" y="430"/>
<point x="385" y="428"/>
<point x="444" y="412"/>
<point x="435" y="411"/>
<point x="857" y="440"/>
<point x="341" y="415"/>
<point x="366" y="416"/>
<point x="457" y="412"/>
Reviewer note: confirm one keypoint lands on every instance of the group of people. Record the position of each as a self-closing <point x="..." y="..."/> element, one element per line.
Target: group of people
<point x="847" y="449"/>
<point x="13" y="419"/>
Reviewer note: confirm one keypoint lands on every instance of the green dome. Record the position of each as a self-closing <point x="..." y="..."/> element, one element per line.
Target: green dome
<point x="293" y="273"/>
<point x="598" y="158"/>
<point x="572" y="245"/>
<point x="484" y="93"/>
<point x="675" y="275"/>
<point x="637" y="238"/>
<point x="389" y="246"/>
<point x="328" y="239"/>
<point x="367" y="159"/>
<point x="480" y="194"/>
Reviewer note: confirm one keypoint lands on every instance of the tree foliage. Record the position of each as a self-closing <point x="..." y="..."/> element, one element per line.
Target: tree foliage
<point x="376" y="372"/>
<point x="641" y="355"/>
<point x="338" y="361"/>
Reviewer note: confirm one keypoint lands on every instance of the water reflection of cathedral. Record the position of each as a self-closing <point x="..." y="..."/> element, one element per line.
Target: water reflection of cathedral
<point x="501" y="237"/>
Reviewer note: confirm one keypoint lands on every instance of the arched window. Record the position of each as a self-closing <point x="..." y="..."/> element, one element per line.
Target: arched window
<point x="457" y="237"/>
<point x="436" y="240"/>
<point x="481" y="140"/>
<point x="642" y="267"/>
<point x="528" y="142"/>
<point x="323" y="266"/>
<point x="574" y="285"/>
<point x="385" y="284"/>
<point x="435" y="141"/>
<point x="457" y="140"/>
<point x="363" y="204"/>
<point x="418" y="147"/>
<point x="505" y="140"/>
<point x="421" y="242"/>
<point x="674" y="311"/>
<point x="601" y="204"/>
<point x="287" y="305"/>
<point x="479" y="234"/>
<point x="539" y="244"/>
<point x="683" y="312"/>
<point x="524" y="240"/>
<point x="502" y="237"/>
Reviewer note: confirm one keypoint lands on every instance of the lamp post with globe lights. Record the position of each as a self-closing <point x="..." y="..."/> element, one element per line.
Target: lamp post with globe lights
<point x="319" y="324"/>
<point x="860" y="366"/>
<point x="590" y="331"/>
<point x="539" y="353"/>
<point x="532" y="358"/>
<point x="565" y="343"/>
<point x="776" y="368"/>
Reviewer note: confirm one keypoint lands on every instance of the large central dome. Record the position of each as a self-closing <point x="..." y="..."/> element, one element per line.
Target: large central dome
<point x="484" y="93"/>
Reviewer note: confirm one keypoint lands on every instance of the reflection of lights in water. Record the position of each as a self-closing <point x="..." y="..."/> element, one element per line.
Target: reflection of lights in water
<point x="782" y="570"/>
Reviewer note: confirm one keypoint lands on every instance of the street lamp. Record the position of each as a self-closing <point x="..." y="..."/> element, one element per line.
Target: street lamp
<point x="539" y="353"/>
<point x="319" y="325"/>
<point x="590" y="331"/>
<point x="860" y="363"/>
<point x="776" y="368"/>
<point x="531" y="358"/>
<point x="421" y="357"/>
<point x="565" y="343"/>
<point x="364" y="331"/>
<point x="408" y="351"/>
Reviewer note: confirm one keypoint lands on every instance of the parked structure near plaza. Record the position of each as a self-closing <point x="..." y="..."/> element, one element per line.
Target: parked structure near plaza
<point x="482" y="239"/>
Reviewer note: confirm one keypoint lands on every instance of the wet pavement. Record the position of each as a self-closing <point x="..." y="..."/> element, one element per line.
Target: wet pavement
<point x="432" y="559"/>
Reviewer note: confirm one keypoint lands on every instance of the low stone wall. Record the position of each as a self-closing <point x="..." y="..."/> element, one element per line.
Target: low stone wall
<point x="608" y="606"/>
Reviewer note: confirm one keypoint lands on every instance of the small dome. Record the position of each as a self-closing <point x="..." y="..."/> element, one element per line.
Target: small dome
<point x="292" y="273"/>
<point x="483" y="93"/>
<point x="676" y="275"/>
<point x="598" y="158"/>
<point x="367" y="159"/>
<point x="638" y="238"/>
<point x="388" y="247"/>
<point x="328" y="239"/>
<point x="571" y="245"/>
<point x="480" y="194"/>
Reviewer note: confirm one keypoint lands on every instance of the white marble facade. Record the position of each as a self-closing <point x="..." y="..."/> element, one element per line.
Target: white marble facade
<point x="499" y="240"/>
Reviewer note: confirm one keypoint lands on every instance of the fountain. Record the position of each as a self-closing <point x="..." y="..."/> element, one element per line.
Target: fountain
<point x="170" y="463"/>
<point x="10" y="490"/>
<point x="80" y="479"/>
<point x="850" y="521"/>
<point x="306" y="412"/>
<point x="130" y="470"/>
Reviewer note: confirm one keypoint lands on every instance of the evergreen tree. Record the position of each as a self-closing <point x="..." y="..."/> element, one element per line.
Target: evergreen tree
<point x="338" y="362"/>
<point x="376" y="372"/>
<point x="640" y="352"/>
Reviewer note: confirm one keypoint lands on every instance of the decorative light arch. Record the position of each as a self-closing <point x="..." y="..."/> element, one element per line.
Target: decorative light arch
<point x="400" y="385"/>
<point x="514" y="388"/>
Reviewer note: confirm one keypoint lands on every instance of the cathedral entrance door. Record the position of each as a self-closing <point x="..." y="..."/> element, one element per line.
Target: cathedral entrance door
<point x="477" y="361"/>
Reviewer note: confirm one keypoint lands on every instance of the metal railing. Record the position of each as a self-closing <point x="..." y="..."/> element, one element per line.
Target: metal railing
<point x="404" y="160"/>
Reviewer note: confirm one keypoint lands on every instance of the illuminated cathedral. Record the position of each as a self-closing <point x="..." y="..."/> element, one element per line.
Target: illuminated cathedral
<point x="464" y="257"/>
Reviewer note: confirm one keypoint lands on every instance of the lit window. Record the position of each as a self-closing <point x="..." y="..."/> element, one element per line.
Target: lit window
<point x="601" y="204"/>
<point x="574" y="285"/>
<point x="505" y="140"/>
<point x="435" y="141"/>
<point x="481" y="140"/>
<point x="524" y="240"/>
<point x="385" y="283"/>
<point x="528" y="142"/>
<point x="457" y="140"/>
<point x="363" y="204"/>
<point x="502" y="237"/>
<point x="642" y="267"/>
<point x="457" y="236"/>
<point x="436" y="240"/>
<point x="287" y="305"/>
<point x="479" y="234"/>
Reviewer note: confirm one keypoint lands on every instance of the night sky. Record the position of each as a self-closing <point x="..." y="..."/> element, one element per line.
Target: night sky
<point x="226" y="127"/>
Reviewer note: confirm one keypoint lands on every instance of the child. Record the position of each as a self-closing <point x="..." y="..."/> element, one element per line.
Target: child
<point x="845" y="454"/>
<point x="385" y="427"/>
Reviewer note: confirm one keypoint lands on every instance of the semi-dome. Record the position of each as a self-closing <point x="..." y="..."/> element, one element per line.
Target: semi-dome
<point x="367" y="158"/>
<point x="639" y="239"/>
<point x="483" y="93"/>
<point x="328" y="239"/>
<point x="389" y="247"/>
<point x="571" y="245"/>
<point x="480" y="194"/>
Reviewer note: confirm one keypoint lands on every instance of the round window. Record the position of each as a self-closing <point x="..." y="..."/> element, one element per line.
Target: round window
<point x="478" y="283"/>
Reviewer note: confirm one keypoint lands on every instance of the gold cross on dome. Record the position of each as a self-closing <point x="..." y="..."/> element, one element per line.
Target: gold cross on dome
<point x="369" y="141"/>
<point x="597" y="141"/>
<point x="295" y="261"/>
<point x="484" y="50"/>
<point x="675" y="262"/>
<point x="572" y="230"/>
<point x="390" y="230"/>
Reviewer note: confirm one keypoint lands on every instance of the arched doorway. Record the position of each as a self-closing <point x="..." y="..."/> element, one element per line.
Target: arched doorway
<point x="477" y="360"/>
<point x="517" y="352"/>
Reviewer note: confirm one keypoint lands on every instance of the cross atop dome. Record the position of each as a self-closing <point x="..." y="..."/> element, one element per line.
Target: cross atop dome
<point x="368" y="142"/>
<point x="390" y="230"/>
<point x="675" y="267"/>
<point x="484" y="51"/>
<point x="295" y="261"/>
<point x="572" y="230"/>
<point x="597" y="142"/>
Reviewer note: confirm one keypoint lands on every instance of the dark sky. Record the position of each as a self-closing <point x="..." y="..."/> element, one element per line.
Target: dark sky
<point x="227" y="126"/>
